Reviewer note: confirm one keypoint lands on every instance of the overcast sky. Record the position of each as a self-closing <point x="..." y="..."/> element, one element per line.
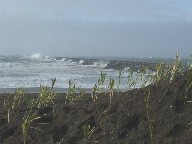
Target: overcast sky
<point x="132" y="28"/>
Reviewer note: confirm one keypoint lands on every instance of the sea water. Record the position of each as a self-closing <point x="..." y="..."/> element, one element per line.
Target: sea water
<point x="31" y="71"/>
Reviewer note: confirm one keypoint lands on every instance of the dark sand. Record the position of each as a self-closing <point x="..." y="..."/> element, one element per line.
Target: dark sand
<point x="125" y="121"/>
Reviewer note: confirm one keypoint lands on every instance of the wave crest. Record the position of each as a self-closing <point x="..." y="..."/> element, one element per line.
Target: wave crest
<point x="100" y="64"/>
<point x="36" y="56"/>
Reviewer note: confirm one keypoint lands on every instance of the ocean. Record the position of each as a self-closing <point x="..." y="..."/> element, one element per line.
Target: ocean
<point x="31" y="71"/>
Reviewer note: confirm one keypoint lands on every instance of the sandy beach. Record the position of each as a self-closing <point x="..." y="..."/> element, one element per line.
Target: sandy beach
<point x="164" y="119"/>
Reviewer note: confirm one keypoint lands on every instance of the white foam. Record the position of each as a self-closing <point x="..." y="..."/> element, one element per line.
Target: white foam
<point x="36" y="56"/>
<point x="100" y="64"/>
<point x="32" y="73"/>
<point x="48" y="58"/>
<point x="81" y="61"/>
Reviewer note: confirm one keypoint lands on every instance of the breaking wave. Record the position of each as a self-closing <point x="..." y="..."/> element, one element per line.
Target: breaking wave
<point x="69" y="61"/>
<point x="100" y="64"/>
<point x="36" y="56"/>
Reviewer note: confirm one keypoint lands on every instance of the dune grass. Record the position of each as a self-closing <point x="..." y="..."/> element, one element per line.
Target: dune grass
<point x="46" y="95"/>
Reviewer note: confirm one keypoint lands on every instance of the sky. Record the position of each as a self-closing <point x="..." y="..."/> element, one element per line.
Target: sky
<point x="122" y="28"/>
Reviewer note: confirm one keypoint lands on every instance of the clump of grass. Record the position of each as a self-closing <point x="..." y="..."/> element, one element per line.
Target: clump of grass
<point x="146" y="101"/>
<point x="131" y="81"/>
<point x="188" y="84"/>
<point x="101" y="110"/>
<point x="141" y="72"/>
<point x="119" y="80"/>
<point x="28" y="119"/>
<point x="71" y="93"/>
<point x="9" y="104"/>
<point x="143" y="78"/>
<point x="166" y="71"/>
<point x="18" y="97"/>
<point x="95" y="93"/>
<point x="176" y="67"/>
<point x="111" y="88"/>
<point x="97" y="88"/>
<point x="190" y="64"/>
<point x="158" y="74"/>
<point x="45" y="97"/>
<point x="87" y="131"/>
<point x="7" y="107"/>
<point x="161" y="73"/>
<point x="101" y="80"/>
<point x="53" y="82"/>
